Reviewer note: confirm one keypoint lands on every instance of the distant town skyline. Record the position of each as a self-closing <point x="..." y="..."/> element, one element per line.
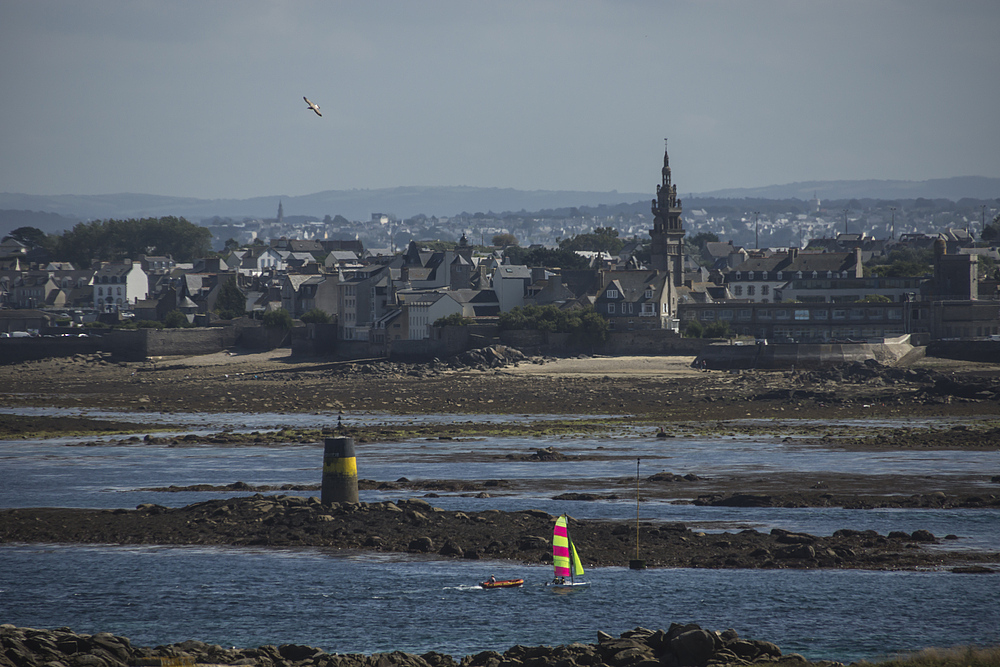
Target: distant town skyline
<point x="206" y="99"/>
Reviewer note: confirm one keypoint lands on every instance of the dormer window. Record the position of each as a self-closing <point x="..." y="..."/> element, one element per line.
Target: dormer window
<point x="750" y="276"/>
<point x="798" y="275"/>
<point x="739" y="275"/>
<point x="612" y="294"/>
<point x="649" y="293"/>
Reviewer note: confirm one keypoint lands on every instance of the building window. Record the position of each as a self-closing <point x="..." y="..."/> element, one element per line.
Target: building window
<point x="744" y="314"/>
<point x="738" y="290"/>
<point x="764" y="290"/>
<point x="611" y="308"/>
<point x="649" y="293"/>
<point x="751" y="290"/>
<point x="802" y="314"/>
<point x="612" y="294"/>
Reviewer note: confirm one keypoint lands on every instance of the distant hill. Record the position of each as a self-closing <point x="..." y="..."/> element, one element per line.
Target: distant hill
<point x="50" y="223"/>
<point x="402" y="202"/>
<point x="960" y="187"/>
<point x="18" y="210"/>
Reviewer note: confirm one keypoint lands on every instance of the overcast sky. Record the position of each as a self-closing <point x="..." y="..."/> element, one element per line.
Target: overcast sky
<point x="204" y="99"/>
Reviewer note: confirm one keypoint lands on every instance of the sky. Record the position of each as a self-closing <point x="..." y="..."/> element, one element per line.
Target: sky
<point x="204" y="98"/>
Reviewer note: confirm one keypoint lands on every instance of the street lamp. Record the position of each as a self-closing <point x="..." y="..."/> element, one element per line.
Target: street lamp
<point x="892" y="227"/>
<point x="756" y="230"/>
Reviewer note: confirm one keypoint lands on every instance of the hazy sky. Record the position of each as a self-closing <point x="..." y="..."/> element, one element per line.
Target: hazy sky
<point x="204" y="99"/>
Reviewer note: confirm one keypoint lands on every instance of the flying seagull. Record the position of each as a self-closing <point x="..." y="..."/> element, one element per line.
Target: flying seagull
<point x="314" y="107"/>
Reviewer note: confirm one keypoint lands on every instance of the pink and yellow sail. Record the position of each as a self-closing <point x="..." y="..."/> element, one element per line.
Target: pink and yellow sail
<point x="564" y="557"/>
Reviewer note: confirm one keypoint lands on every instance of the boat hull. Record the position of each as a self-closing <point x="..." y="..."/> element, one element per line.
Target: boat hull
<point x="569" y="587"/>
<point x="506" y="583"/>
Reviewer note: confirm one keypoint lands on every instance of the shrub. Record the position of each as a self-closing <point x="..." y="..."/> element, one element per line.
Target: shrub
<point x="175" y="319"/>
<point x="717" y="329"/>
<point x="149" y="324"/>
<point x="693" y="329"/>
<point x="585" y="326"/>
<point x="874" y="298"/>
<point x="316" y="316"/>
<point x="453" y="320"/>
<point x="278" y="318"/>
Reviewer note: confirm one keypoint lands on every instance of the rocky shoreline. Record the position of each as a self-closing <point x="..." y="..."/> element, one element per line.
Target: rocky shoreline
<point x="510" y="384"/>
<point x="681" y="645"/>
<point x="415" y="526"/>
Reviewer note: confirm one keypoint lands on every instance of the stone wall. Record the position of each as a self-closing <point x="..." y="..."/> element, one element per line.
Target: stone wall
<point x="314" y="340"/>
<point x="14" y="350"/>
<point x="723" y="356"/>
<point x="138" y="344"/>
<point x="966" y="350"/>
<point x="659" y="342"/>
<point x="262" y="338"/>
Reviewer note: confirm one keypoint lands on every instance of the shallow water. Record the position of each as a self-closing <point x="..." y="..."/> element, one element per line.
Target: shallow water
<point x="348" y="602"/>
<point x="61" y="473"/>
<point x="360" y="602"/>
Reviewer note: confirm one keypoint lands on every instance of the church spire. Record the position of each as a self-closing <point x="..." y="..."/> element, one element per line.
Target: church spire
<point x="666" y="165"/>
<point x="667" y="234"/>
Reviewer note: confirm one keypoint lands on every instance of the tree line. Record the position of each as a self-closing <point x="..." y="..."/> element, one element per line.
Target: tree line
<point x="115" y="240"/>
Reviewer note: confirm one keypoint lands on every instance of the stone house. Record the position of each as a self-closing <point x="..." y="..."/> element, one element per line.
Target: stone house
<point x="301" y="293"/>
<point x="633" y="300"/>
<point x="757" y="278"/>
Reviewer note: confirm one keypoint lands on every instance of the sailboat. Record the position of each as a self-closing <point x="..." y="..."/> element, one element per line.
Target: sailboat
<point x="565" y="559"/>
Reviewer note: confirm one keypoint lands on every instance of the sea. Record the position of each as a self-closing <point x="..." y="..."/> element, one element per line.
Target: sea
<point x="361" y="602"/>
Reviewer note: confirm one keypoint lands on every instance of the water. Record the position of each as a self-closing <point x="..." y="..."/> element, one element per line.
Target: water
<point x="361" y="602"/>
<point x="62" y="473"/>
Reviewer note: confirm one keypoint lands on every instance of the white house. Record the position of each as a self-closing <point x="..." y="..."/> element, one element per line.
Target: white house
<point x="510" y="282"/>
<point x="118" y="285"/>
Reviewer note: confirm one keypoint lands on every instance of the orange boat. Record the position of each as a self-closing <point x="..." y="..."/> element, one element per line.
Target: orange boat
<point x="506" y="583"/>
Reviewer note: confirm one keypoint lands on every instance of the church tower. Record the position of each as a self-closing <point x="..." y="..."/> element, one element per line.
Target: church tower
<point x="281" y="213"/>
<point x="667" y="234"/>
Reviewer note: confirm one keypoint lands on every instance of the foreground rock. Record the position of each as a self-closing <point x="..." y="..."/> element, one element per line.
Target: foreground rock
<point x="416" y="526"/>
<point x="680" y="646"/>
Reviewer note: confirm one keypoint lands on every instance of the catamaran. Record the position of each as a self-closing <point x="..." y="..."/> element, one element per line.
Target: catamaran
<point x="565" y="559"/>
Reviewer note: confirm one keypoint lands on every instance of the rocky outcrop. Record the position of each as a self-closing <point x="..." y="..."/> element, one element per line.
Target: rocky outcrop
<point x="685" y="645"/>
<point x="416" y="526"/>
